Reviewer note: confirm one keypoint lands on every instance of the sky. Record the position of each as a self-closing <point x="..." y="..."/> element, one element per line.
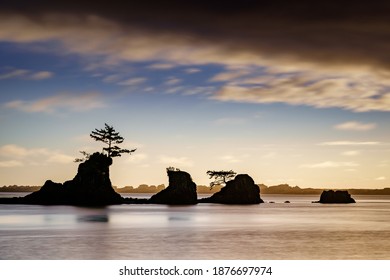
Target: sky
<point x="295" y="93"/>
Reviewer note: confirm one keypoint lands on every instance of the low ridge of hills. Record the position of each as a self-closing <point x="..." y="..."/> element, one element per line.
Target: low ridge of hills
<point x="278" y="189"/>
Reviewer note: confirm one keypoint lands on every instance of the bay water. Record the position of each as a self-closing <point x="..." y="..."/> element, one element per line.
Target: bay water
<point x="272" y="230"/>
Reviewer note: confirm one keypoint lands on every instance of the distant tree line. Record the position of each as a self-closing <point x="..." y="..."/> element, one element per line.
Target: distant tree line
<point x="279" y="189"/>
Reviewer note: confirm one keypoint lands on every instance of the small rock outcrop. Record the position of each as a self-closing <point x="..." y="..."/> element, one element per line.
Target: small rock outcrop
<point x="241" y="190"/>
<point x="91" y="186"/>
<point x="181" y="190"/>
<point x="336" y="197"/>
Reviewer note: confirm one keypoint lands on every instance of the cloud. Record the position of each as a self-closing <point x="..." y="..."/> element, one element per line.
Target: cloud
<point x="162" y="66"/>
<point x="381" y="178"/>
<point x="137" y="157"/>
<point x="230" y="159"/>
<point x="31" y="155"/>
<point x="41" y="75"/>
<point x="355" y="126"/>
<point x="10" y="163"/>
<point x="192" y="70"/>
<point x="80" y="103"/>
<point x="270" y="155"/>
<point x="228" y="76"/>
<point x="324" y="32"/>
<point x="330" y="164"/>
<point x="199" y="90"/>
<point x="12" y="150"/>
<point x="112" y="78"/>
<point x="343" y="47"/>
<point x="60" y="158"/>
<point x="26" y="75"/>
<point x="349" y="143"/>
<point x="175" y="89"/>
<point x="172" y="81"/>
<point x="13" y="74"/>
<point x="132" y="81"/>
<point x="318" y="92"/>
<point x="351" y="153"/>
<point x="176" y="161"/>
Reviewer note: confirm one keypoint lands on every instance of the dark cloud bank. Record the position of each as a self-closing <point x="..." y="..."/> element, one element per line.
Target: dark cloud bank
<point x="325" y="32"/>
<point x="321" y="54"/>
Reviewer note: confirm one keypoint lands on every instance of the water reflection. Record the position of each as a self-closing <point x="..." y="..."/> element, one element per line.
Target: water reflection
<point x="93" y="219"/>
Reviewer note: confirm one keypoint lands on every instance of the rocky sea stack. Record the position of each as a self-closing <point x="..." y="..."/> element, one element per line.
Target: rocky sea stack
<point x="336" y="197"/>
<point x="241" y="190"/>
<point x="91" y="186"/>
<point x="181" y="190"/>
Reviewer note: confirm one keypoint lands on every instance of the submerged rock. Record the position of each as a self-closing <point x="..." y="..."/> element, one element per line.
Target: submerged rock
<point x="336" y="197"/>
<point x="181" y="190"/>
<point x="241" y="190"/>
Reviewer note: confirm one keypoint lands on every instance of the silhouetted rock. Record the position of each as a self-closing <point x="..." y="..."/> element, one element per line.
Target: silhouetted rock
<point x="181" y="190"/>
<point x="91" y="186"/>
<point x="336" y="197"/>
<point x="49" y="193"/>
<point x="241" y="190"/>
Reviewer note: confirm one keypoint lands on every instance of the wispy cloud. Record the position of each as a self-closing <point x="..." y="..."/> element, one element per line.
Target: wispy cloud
<point x="137" y="157"/>
<point x="230" y="159"/>
<point x="133" y="81"/>
<point x="59" y="158"/>
<point x="22" y="155"/>
<point x="330" y="164"/>
<point x="351" y="153"/>
<point x="301" y="77"/>
<point x="12" y="150"/>
<point x="10" y="163"/>
<point x="18" y="73"/>
<point x="174" y="89"/>
<point x="51" y="104"/>
<point x="198" y="90"/>
<point x="41" y="75"/>
<point x="319" y="92"/>
<point x="355" y="126"/>
<point x="112" y="78"/>
<point x="176" y="161"/>
<point x="26" y="75"/>
<point x="162" y="66"/>
<point x="350" y="143"/>
<point x="229" y="76"/>
<point x="192" y="70"/>
<point x="172" y="81"/>
<point x="381" y="178"/>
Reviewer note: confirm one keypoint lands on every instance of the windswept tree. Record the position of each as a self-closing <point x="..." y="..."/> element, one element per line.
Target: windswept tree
<point x="220" y="177"/>
<point x="111" y="138"/>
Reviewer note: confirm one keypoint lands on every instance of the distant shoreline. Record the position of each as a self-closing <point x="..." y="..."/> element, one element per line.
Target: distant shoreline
<point x="279" y="189"/>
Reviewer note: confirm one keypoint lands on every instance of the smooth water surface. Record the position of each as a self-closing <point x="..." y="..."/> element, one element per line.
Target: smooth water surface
<point x="296" y="230"/>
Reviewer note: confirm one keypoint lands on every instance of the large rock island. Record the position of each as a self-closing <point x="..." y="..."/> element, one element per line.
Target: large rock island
<point x="336" y="197"/>
<point x="181" y="190"/>
<point x="241" y="190"/>
<point x="90" y="187"/>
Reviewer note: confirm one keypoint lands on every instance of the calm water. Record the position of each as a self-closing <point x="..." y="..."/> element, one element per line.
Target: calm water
<point x="299" y="230"/>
